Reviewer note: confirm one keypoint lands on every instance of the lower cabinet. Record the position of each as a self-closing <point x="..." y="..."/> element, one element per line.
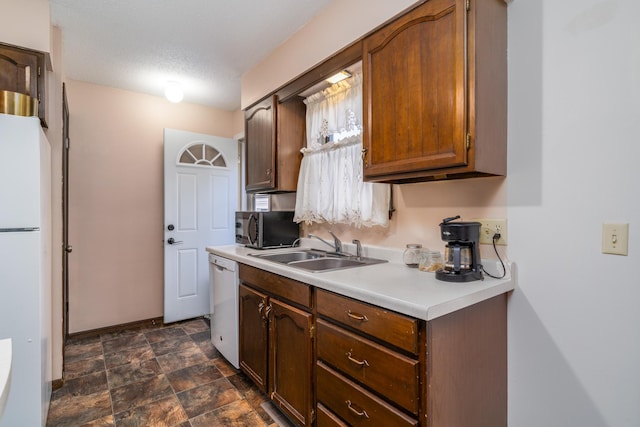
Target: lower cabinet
<point x="368" y="369"/>
<point x="354" y="404"/>
<point x="328" y="360"/>
<point x="254" y="335"/>
<point x="276" y="342"/>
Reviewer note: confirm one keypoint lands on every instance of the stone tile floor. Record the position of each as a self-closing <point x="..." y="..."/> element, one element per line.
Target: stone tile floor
<point x="163" y="376"/>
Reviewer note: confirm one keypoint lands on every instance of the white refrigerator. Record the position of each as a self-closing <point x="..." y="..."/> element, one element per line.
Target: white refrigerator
<point x="25" y="267"/>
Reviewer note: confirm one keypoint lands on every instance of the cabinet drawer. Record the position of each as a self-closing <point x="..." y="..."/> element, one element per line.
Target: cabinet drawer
<point x="389" y="373"/>
<point x="394" y="328"/>
<point x="354" y="404"/>
<point x="282" y="287"/>
<point x="326" y="418"/>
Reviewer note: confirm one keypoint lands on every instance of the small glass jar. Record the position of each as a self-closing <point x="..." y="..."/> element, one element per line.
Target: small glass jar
<point x="412" y="255"/>
<point x="431" y="261"/>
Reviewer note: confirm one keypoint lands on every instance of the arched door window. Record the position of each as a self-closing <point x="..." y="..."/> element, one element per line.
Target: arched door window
<point x="201" y="154"/>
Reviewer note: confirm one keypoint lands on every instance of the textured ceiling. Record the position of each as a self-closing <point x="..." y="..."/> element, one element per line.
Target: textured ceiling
<point x="206" y="45"/>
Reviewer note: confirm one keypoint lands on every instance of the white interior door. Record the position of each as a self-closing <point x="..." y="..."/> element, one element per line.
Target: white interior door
<point x="200" y="199"/>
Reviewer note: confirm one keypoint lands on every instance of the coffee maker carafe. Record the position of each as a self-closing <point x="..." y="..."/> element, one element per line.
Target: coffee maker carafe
<point x="461" y="254"/>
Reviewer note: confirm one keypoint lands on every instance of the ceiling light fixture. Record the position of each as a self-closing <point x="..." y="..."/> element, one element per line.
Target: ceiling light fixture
<point x="173" y="92"/>
<point x="338" y="77"/>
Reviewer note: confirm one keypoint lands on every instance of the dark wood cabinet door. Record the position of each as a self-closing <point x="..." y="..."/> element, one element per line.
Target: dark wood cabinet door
<point x="24" y="71"/>
<point x="254" y="335"/>
<point x="291" y="134"/>
<point x="260" y="136"/>
<point x="16" y="72"/>
<point x="291" y="361"/>
<point x="415" y="92"/>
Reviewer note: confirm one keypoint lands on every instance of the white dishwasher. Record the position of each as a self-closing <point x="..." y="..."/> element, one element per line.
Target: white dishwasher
<point x="223" y="279"/>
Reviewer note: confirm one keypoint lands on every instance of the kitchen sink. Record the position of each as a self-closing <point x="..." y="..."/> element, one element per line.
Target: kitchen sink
<point x="287" y="257"/>
<point x="317" y="261"/>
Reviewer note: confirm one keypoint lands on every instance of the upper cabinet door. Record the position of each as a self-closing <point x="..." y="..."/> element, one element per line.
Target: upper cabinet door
<point x="24" y="71"/>
<point x="435" y="93"/>
<point x="415" y="91"/>
<point x="16" y="70"/>
<point x="260" y="135"/>
<point x="275" y="133"/>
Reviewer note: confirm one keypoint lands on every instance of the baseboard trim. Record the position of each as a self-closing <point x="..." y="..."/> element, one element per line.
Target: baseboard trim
<point x="156" y="321"/>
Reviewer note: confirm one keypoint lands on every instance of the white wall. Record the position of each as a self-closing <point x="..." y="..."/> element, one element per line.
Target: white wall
<point x="574" y="107"/>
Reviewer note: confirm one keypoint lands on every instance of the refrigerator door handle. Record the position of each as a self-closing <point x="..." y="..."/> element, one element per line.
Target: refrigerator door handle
<point x="17" y="230"/>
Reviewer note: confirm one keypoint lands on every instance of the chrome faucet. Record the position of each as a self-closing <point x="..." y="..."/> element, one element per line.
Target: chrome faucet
<point x="358" y="248"/>
<point x="337" y="244"/>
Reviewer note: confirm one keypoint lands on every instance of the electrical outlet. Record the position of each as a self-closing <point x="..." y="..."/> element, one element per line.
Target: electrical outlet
<point x="490" y="227"/>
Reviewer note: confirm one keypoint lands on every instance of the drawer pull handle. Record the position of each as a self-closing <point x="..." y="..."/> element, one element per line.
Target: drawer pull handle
<point x="357" y="316"/>
<point x="362" y="363"/>
<point x="361" y="413"/>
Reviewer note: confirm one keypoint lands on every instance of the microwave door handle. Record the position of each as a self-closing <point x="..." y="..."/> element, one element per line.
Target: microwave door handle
<point x="252" y="218"/>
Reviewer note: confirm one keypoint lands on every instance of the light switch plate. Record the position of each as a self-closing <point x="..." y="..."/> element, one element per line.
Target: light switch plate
<point x="615" y="238"/>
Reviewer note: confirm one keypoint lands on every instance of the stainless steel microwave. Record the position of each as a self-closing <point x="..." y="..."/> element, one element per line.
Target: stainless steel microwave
<point x="266" y="230"/>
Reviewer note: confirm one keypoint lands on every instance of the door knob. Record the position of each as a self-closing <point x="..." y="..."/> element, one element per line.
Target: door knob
<point x="173" y="241"/>
<point x="68" y="249"/>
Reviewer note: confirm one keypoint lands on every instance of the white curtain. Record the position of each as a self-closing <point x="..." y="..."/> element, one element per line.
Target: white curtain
<point x="330" y="185"/>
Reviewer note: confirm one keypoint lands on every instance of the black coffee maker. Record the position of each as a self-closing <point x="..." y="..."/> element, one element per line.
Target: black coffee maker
<point x="461" y="254"/>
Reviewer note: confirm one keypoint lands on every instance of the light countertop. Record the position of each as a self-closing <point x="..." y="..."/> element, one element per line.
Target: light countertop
<point x="391" y="285"/>
<point x="5" y="372"/>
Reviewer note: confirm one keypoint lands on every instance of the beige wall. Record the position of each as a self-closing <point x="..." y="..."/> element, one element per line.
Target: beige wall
<point x="420" y="207"/>
<point x="336" y="26"/>
<point x="116" y="200"/>
<point x="26" y="23"/>
<point x="54" y="134"/>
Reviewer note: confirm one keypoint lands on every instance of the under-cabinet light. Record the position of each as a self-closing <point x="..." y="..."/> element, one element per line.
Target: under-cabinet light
<point x="338" y="77"/>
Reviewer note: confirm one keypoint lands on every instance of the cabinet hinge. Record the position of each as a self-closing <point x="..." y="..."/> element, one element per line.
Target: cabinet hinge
<point x="468" y="4"/>
<point x="468" y="141"/>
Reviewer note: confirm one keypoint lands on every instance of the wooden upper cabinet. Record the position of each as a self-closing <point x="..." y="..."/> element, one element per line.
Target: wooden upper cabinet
<point x="435" y="93"/>
<point x="24" y="71"/>
<point x="260" y="135"/>
<point x="274" y="133"/>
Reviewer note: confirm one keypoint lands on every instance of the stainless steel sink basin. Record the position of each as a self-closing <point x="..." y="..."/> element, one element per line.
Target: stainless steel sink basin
<point x="317" y="261"/>
<point x="326" y="264"/>
<point x="287" y="257"/>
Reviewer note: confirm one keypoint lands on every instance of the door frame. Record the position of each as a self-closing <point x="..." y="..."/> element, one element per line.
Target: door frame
<point x="66" y="248"/>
